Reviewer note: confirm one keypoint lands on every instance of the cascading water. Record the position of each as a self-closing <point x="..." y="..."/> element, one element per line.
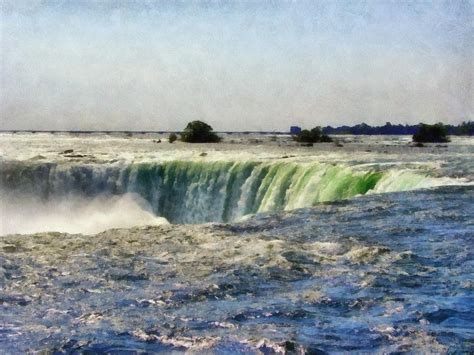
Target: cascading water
<point x="220" y="191"/>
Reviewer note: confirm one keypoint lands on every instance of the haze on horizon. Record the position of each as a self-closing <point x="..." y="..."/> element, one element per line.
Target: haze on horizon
<point x="155" y="65"/>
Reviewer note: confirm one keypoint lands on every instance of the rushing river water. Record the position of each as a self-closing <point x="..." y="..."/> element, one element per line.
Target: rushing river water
<point x="361" y="248"/>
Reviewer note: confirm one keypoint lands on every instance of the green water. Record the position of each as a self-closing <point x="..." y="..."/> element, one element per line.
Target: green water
<point x="195" y="192"/>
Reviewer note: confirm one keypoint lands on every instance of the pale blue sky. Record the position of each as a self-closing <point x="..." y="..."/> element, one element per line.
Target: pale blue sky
<point x="243" y="65"/>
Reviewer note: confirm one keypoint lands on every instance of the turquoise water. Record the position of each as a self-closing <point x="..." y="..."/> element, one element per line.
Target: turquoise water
<point x="221" y="191"/>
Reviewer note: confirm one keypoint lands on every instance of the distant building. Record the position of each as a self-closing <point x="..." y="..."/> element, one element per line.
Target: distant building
<point x="295" y="130"/>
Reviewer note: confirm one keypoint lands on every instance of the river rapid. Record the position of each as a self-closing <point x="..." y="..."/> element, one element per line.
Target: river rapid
<point x="116" y="243"/>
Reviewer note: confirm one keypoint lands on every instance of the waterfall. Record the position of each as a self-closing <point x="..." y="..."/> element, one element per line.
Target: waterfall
<point x="195" y="192"/>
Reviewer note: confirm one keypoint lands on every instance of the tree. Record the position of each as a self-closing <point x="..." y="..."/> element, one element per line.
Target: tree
<point x="313" y="136"/>
<point x="466" y="128"/>
<point x="436" y="133"/>
<point x="173" y="137"/>
<point x="199" y="132"/>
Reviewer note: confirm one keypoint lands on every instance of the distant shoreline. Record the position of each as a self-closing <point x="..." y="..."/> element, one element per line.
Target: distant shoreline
<point x="462" y="129"/>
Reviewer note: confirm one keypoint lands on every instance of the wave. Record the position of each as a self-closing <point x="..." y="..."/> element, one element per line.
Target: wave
<point x="221" y="191"/>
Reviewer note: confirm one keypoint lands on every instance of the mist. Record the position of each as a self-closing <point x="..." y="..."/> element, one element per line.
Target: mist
<point x="74" y="214"/>
<point x="237" y="65"/>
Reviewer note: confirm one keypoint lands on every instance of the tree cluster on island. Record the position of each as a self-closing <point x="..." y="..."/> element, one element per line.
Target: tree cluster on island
<point x="196" y="132"/>
<point x="173" y="137"/>
<point x="436" y="133"/>
<point x="314" y="135"/>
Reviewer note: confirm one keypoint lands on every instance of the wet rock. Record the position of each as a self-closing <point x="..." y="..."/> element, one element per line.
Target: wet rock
<point x="75" y="156"/>
<point x="72" y="346"/>
<point x="312" y="350"/>
<point x="289" y="346"/>
<point x="14" y="300"/>
<point x="10" y="248"/>
<point x="298" y="257"/>
<point x="239" y="317"/>
<point x="90" y="317"/>
<point x="129" y="277"/>
<point x="38" y="157"/>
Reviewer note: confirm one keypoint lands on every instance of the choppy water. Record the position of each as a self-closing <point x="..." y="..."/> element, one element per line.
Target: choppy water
<point x="349" y="254"/>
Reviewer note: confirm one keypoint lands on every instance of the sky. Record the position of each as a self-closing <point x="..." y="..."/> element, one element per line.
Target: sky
<point x="238" y="65"/>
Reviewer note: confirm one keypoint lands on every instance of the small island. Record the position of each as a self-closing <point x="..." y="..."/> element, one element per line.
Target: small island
<point x="314" y="135"/>
<point x="199" y="132"/>
<point x="436" y="133"/>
